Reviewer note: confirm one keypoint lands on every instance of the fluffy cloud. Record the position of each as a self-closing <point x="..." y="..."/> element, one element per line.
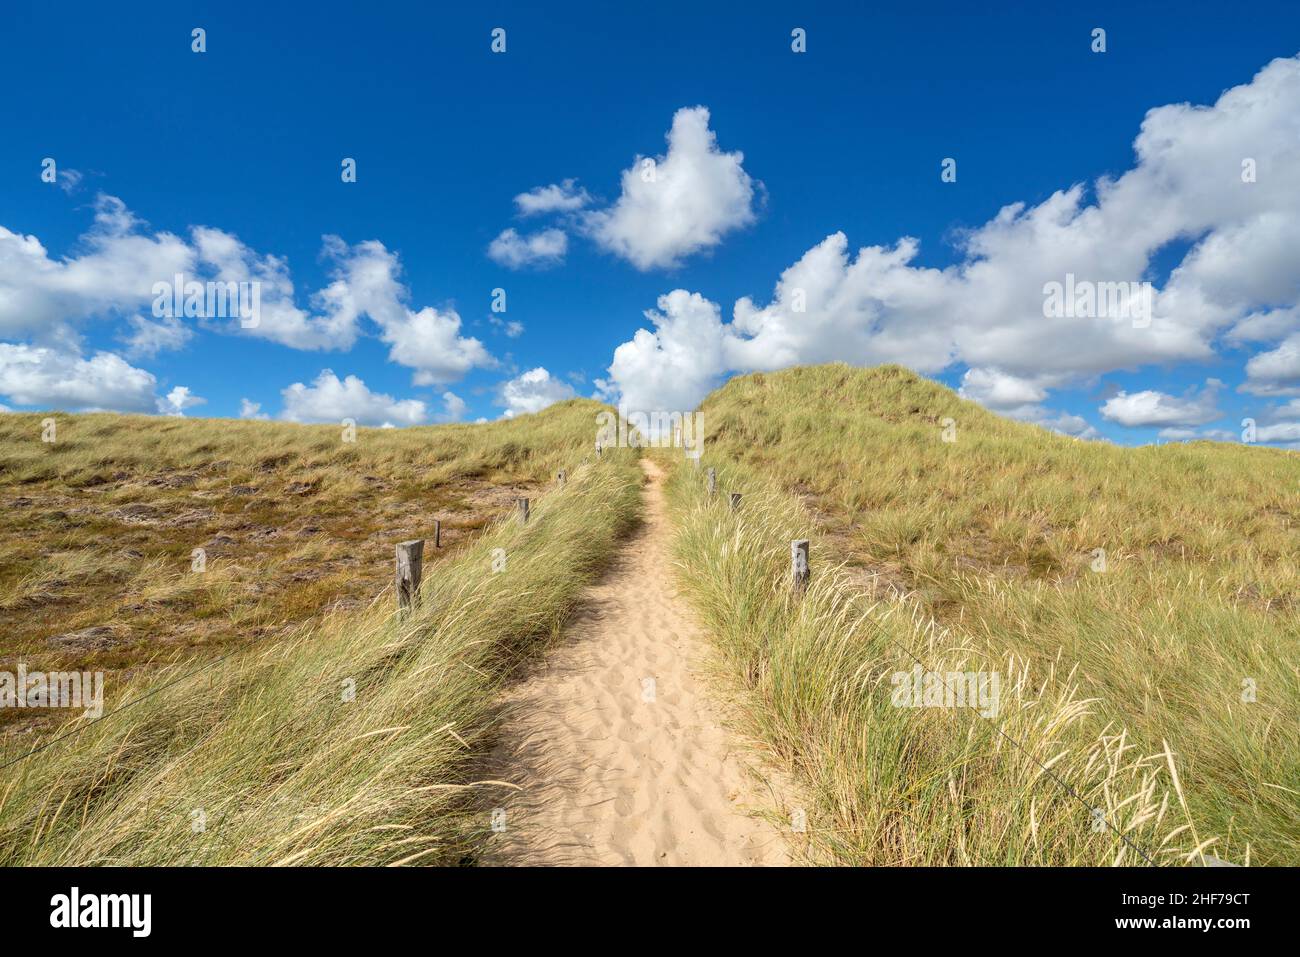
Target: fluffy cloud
<point x="562" y="197"/>
<point x="997" y="390"/>
<point x="44" y="299"/>
<point x="115" y="276"/>
<point x="248" y="409"/>
<point x="1288" y="412"/>
<point x="453" y="408"/>
<point x="1277" y="371"/>
<point x="55" y="379"/>
<point x="366" y="282"/>
<point x="1183" y="434"/>
<point x="987" y="310"/>
<point x="545" y="248"/>
<point x="677" y="364"/>
<point x="1287" y="432"/>
<point x="1021" y="398"/>
<point x="1283" y="425"/>
<point x="146" y="339"/>
<point x="178" y="400"/>
<point x="1152" y="408"/>
<point x="429" y="342"/>
<point x="1066" y="423"/>
<point x="223" y="258"/>
<point x="532" y="391"/>
<point x="677" y="204"/>
<point x="330" y="399"/>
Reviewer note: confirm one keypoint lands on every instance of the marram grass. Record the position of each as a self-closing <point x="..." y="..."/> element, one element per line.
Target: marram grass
<point x="348" y="742"/>
<point x="102" y="523"/>
<point x="1129" y="685"/>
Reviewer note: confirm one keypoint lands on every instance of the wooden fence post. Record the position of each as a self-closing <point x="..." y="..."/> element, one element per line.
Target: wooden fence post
<point x="410" y="561"/>
<point x="561" y="477"/>
<point x="799" y="572"/>
<point x="522" y="505"/>
<point x="735" y="501"/>
<point x="713" y="481"/>
<point x="437" y="533"/>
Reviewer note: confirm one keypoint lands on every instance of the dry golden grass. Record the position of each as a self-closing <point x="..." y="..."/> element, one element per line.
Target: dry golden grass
<point x="1132" y="680"/>
<point x="351" y="738"/>
<point x="101" y="525"/>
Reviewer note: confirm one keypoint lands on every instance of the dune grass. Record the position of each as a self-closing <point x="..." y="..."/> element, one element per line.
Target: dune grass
<point x="1160" y="681"/>
<point x="351" y="739"/>
<point x="102" y="525"/>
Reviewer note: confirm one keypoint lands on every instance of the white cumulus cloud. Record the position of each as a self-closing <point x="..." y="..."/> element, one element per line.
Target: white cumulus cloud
<point x="453" y="408"/>
<point x="178" y="400"/>
<point x="1153" y="408"/>
<point x="562" y="197"/>
<point x="330" y="399"/>
<point x="1021" y="398"/>
<point x="879" y="304"/>
<point x="45" y="299"/>
<point x="428" y="340"/>
<point x="675" y="205"/>
<point x="1276" y="371"/>
<point x="673" y="367"/>
<point x="147" y="338"/>
<point x="56" y="379"/>
<point x="545" y="248"/>
<point x="123" y="271"/>
<point x="997" y="390"/>
<point x="532" y="391"/>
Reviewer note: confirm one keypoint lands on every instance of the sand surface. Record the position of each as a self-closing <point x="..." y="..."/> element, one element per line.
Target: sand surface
<point x="622" y="756"/>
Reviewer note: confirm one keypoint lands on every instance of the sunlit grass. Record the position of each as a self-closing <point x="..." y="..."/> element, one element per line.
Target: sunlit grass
<point x="102" y="524"/>
<point x="348" y="740"/>
<point x="1121" y="675"/>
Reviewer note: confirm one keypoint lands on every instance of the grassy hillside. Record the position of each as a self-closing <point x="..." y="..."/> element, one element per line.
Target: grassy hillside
<point x="350" y="738"/>
<point x="97" y="548"/>
<point x="1126" y="681"/>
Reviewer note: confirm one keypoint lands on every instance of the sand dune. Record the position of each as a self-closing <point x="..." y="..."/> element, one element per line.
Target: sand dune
<point x="622" y="757"/>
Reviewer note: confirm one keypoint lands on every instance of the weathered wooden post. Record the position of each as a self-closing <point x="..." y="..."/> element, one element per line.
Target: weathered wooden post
<point x="522" y="505"/>
<point x="437" y="533"/>
<point x="735" y="501"/>
<point x="713" y="481"/>
<point x="410" y="562"/>
<point x="561" y="477"/>
<point x="799" y="572"/>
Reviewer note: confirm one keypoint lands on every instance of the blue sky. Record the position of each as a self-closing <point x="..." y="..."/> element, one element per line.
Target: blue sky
<point x="246" y="139"/>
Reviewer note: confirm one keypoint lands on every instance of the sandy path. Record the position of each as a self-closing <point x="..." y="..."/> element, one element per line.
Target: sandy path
<point x="622" y="757"/>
